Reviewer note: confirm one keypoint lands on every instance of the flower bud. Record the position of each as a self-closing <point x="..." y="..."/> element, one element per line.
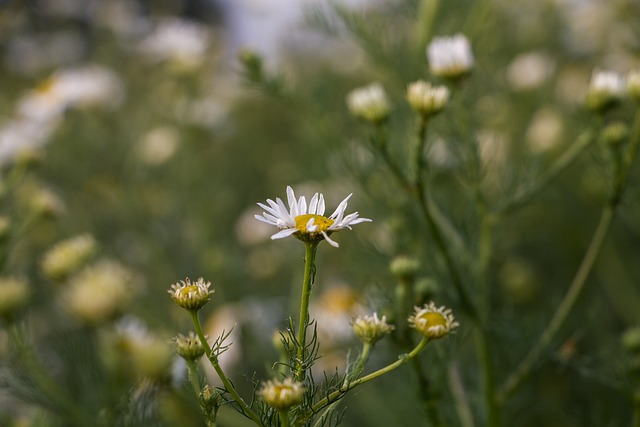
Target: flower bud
<point x="189" y="295"/>
<point x="369" y="103"/>
<point x="14" y="296"/>
<point x="633" y="85"/>
<point x="66" y="256"/>
<point x="606" y="89"/>
<point x="404" y="267"/>
<point x="425" y="99"/>
<point x="189" y="347"/>
<point x="282" y="395"/>
<point x="614" y="134"/>
<point x="370" y="329"/>
<point x="433" y="322"/>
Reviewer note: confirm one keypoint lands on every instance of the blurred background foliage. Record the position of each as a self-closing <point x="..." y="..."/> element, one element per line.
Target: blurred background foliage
<point x="166" y="150"/>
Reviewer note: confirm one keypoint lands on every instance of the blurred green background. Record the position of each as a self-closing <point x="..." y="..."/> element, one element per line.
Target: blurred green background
<point x="171" y="142"/>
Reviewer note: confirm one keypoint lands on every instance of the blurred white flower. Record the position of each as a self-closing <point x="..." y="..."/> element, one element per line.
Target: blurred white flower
<point x="530" y="70"/>
<point x="450" y="57"/>
<point x="67" y="256"/>
<point x="544" y="131"/>
<point x="369" y="103"/>
<point x="158" y="145"/>
<point x="20" y="135"/>
<point x="605" y="89"/>
<point x="86" y="86"/>
<point x="177" y="40"/>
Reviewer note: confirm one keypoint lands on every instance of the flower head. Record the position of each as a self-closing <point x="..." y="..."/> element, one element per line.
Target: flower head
<point x="282" y="395"/>
<point x="450" y="57"/>
<point x="191" y="295"/>
<point x="606" y="88"/>
<point x="433" y="322"/>
<point x="307" y="222"/>
<point x="189" y="347"/>
<point x="14" y="296"/>
<point x="369" y="103"/>
<point x="633" y="85"/>
<point x="66" y="256"/>
<point x="426" y="99"/>
<point x="99" y="293"/>
<point x="370" y="329"/>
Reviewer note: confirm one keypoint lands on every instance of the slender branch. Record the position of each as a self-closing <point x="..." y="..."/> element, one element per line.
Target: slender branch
<point x="351" y="385"/>
<point x="546" y="177"/>
<point x="577" y="285"/>
<point x="213" y="359"/>
<point x="307" y="282"/>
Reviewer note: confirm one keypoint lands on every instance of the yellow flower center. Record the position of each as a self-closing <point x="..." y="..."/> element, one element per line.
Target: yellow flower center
<point x="45" y="87"/>
<point x="434" y="319"/>
<point x="184" y="292"/>
<point x="322" y="222"/>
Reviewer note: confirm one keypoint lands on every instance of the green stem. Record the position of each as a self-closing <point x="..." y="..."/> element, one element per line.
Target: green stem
<point x="192" y="373"/>
<point x="546" y="177"/>
<point x="577" y="285"/>
<point x="427" y="12"/>
<point x="303" y="323"/>
<point x="524" y="368"/>
<point x="284" y="419"/>
<point x="213" y="359"/>
<point x="343" y="390"/>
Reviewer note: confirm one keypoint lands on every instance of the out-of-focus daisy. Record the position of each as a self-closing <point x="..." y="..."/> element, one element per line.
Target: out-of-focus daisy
<point x="450" y="57"/>
<point x="606" y="88"/>
<point x="180" y="41"/>
<point x="86" y="86"/>
<point x="433" y="322"/>
<point x="427" y="99"/>
<point x="307" y="222"/>
<point x="369" y="103"/>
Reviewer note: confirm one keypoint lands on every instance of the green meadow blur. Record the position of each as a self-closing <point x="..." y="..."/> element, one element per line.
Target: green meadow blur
<point x="164" y="169"/>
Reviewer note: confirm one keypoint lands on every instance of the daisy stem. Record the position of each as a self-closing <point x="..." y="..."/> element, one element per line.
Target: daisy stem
<point x="284" y="418"/>
<point x="351" y="385"/>
<point x="192" y="373"/>
<point x="213" y="359"/>
<point x="303" y="323"/>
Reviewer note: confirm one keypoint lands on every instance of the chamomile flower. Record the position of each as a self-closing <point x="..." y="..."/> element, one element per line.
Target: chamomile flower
<point x="433" y="322"/>
<point x="307" y="221"/>
<point x="282" y="395"/>
<point x="450" y="57"/>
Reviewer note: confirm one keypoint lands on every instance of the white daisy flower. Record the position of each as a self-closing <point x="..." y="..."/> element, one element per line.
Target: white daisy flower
<point x="307" y="221"/>
<point x="450" y="57"/>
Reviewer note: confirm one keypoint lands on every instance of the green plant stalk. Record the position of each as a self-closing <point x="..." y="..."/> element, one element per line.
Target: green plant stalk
<point x="213" y="359"/>
<point x="343" y="390"/>
<point x="192" y="373"/>
<point x="284" y="418"/>
<point x="438" y="236"/>
<point x="427" y="12"/>
<point x="482" y="336"/>
<point x="546" y="177"/>
<point x="525" y="367"/>
<point x="307" y="283"/>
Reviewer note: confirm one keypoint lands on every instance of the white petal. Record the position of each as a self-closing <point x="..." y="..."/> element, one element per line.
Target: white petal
<point x="331" y="242"/>
<point x="313" y="204"/>
<point x="302" y="206"/>
<point x="264" y="219"/>
<point x="321" y="207"/>
<point x="310" y="227"/>
<point x="293" y="204"/>
<point x="339" y="212"/>
<point x="283" y="233"/>
<point x="284" y="214"/>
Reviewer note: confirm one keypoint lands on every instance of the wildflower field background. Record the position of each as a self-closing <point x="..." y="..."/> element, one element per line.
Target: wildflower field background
<point x="142" y="134"/>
